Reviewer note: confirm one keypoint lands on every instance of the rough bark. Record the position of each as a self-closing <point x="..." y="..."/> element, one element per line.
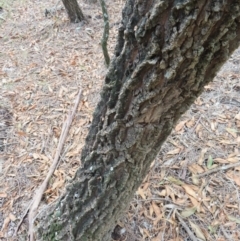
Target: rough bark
<point x="73" y="10"/>
<point x="167" y="51"/>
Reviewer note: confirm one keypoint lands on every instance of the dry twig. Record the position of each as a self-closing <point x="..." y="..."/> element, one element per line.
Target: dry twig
<point x="187" y="229"/>
<point x="225" y="233"/>
<point x="38" y="196"/>
<point x="24" y="215"/>
<point x="218" y="169"/>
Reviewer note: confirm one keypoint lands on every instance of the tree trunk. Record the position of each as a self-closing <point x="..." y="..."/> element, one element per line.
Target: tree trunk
<point x="73" y="10"/>
<point x="167" y="51"/>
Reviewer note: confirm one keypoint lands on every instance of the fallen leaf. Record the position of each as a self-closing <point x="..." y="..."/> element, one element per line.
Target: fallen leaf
<point x="197" y="231"/>
<point x="201" y="158"/>
<point x="3" y="194"/>
<point x="233" y="159"/>
<point x="141" y="193"/>
<point x="158" y="237"/>
<point x="174" y="152"/>
<point x="190" y="191"/>
<point x="191" y="123"/>
<point x="231" y="131"/>
<point x="174" y="180"/>
<point x="163" y="193"/>
<point x="57" y="184"/>
<point x="180" y="125"/>
<point x="220" y="160"/>
<point x="212" y="229"/>
<point x="188" y="212"/>
<point x="158" y="213"/>
<point x="195" y="180"/>
<point x="237" y="116"/>
<point x="233" y="219"/>
<point x="5" y="224"/>
<point x="12" y="217"/>
<point x="195" y="168"/>
<point x="233" y="176"/>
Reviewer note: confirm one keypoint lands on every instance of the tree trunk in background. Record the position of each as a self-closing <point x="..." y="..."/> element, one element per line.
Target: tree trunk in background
<point x="167" y="51"/>
<point x="73" y="10"/>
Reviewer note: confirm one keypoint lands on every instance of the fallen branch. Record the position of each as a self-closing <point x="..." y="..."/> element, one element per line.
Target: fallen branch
<point x="39" y="193"/>
<point x="187" y="229"/>
<point x="218" y="169"/>
<point x="24" y="215"/>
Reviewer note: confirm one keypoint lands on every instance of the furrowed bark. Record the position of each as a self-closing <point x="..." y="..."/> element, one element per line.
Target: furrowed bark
<point x="73" y="10"/>
<point x="167" y="51"/>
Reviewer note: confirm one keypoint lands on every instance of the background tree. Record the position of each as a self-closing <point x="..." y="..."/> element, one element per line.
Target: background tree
<point x="167" y="51"/>
<point x="105" y="32"/>
<point x="73" y="10"/>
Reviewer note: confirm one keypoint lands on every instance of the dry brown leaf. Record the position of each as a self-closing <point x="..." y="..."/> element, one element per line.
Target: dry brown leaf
<point x="168" y="190"/>
<point x="237" y="168"/>
<point x="57" y="184"/>
<point x="191" y="123"/>
<point x="163" y="193"/>
<point x="198" y="129"/>
<point x="174" y="180"/>
<point x="198" y="101"/>
<point x="141" y="193"/>
<point x="233" y="219"/>
<point x="235" y="177"/>
<point x="233" y="159"/>
<point x="195" y="180"/>
<point x="231" y="131"/>
<point x="201" y="158"/>
<point x="157" y="210"/>
<point x="197" y="231"/>
<point x="237" y="116"/>
<point x="188" y="212"/>
<point x="220" y="160"/>
<point x="3" y="194"/>
<point x="151" y="210"/>
<point x="180" y="125"/>
<point x="190" y="191"/>
<point x="5" y="224"/>
<point x="12" y="217"/>
<point x="158" y="237"/>
<point x="21" y="133"/>
<point x="213" y="125"/>
<point x="174" y="152"/>
<point x="195" y="168"/>
<point x="195" y="203"/>
<point x="227" y="142"/>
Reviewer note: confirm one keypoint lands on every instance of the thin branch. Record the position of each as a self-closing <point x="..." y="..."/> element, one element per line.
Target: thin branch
<point x="218" y="169"/>
<point x="38" y="195"/>
<point x="159" y="199"/>
<point x="105" y="32"/>
<point x="24" y="215"/>
<point x="187" y="229"/>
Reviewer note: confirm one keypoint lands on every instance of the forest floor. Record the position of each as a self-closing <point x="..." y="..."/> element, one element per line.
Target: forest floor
<point x="194" y="183"/>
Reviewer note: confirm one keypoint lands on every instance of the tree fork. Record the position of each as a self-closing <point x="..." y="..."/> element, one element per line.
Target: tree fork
<point x="167" y="51"/>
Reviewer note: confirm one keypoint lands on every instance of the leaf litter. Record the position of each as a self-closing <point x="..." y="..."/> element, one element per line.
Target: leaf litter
<point x="44" y="61"/>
